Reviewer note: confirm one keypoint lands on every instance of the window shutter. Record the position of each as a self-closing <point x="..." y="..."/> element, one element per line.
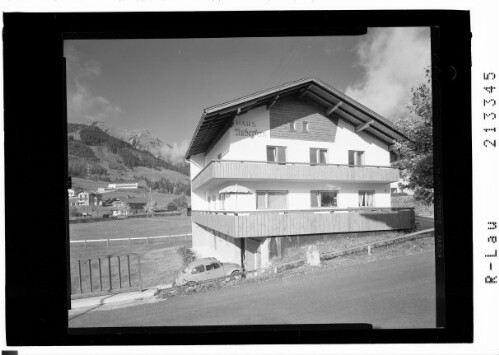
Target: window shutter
<point x="260" y="200"/>
<point x="313" y="198"/>
<point x="270" y="153"/>
<point x="351" y="157"/>
<point x="313" y="156"/>
<point x="281" y="154"/>
<point x="322" y="153"/>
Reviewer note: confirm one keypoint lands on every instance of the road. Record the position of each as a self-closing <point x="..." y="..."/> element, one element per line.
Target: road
<point x="391" y="293"/>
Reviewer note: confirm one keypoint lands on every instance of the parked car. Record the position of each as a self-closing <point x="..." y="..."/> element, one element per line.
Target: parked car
<point x="205" y="269"/>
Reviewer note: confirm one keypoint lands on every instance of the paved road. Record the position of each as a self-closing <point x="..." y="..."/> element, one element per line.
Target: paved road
<point x="393" y="293"/>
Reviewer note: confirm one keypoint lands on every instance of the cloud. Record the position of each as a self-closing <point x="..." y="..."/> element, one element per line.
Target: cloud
<point x="393" y="61"/>
<point x="83" y="105"/>
<point x="177" y="152"/>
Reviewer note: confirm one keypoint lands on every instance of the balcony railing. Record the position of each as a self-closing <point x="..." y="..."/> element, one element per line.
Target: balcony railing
<point x="234" y="170"/>
<point x="267" y="223"/>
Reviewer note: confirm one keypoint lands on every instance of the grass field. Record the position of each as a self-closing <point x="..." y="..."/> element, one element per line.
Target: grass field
<point x="159" y="261"/>
<point x="130" y="228"/>
<point x="159" y="264"/>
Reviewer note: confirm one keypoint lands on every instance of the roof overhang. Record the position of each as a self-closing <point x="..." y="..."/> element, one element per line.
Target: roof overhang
<point x="215" y="120"/>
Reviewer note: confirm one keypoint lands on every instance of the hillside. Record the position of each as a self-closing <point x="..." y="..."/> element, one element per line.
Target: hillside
<point x="141" y="139"/>
<point x="94" y="154"/>
<point x="162" y="199"/>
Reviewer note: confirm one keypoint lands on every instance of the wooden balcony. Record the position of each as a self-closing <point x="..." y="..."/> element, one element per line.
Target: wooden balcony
<point x="218" y="171"/>
<point x="246" y="224"/>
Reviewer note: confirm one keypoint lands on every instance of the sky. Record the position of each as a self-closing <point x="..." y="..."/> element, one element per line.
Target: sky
<point x="163" y="85"/>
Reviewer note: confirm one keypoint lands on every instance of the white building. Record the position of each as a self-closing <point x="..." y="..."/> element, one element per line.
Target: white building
<point x="124" y="185"/>
<point x="71" y="193"/>
<point x="88" y="198"/>
<point x="287" y="166"/>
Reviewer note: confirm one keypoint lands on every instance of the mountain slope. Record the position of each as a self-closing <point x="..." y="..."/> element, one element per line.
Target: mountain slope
<point x="94" y="153"/>
<point x="139" y="138"/>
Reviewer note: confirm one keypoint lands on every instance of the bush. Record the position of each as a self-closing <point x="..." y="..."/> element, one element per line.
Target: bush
<point x="186" y="254"/>
<point x="178" y="204"/>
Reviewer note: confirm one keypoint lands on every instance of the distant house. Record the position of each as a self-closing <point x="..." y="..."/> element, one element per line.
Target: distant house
<point x="71" y="193"/>
<point x="125" y="185"/>
<point x="88" y="198"/>
<point x="128" y="206"/>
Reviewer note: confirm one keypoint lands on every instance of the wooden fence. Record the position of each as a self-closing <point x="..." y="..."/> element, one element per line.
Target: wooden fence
<point x="182" y="237"/>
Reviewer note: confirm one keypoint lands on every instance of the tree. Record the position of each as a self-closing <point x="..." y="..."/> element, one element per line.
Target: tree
<point x="178" y="204"/>
<point x="414" y="156"/>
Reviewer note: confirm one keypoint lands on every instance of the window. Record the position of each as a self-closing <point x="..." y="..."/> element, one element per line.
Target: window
<point x="212" y="266"/>
<point x="292" y="126"/>
<point x="198" y="269"/>
<point x="276" y="154"/>
<point x="355" y="157"/>
<point x="324" y="198"/>
<point x="276" y="200"/>
<point x="318" y="156"/>
<point x="366" y="198"/>
<point x="305" y="127"/>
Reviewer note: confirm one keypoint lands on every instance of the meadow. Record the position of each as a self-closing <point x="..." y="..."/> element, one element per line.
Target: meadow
<point x="159" y="260"/>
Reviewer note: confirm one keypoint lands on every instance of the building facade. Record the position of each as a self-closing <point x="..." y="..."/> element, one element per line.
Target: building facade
<point x="88" y="198"/>
<point x="289" y="164"/>
<point x="128" y="206"/>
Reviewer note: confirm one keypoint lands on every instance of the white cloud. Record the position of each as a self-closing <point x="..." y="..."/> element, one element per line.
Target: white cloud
<point x="83" y="104"/>
<point x="393" y="61"/>
<point x="177" y="152"/>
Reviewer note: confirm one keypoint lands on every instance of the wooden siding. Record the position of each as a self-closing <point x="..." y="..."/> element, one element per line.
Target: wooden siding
<point x="304" y="223"/>
<point x="289" y="109"/>
<point x="243" y="170"/>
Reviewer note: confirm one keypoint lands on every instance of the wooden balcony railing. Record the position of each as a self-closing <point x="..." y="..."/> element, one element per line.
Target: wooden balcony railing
<point x="235" y="170"/>
<point x="268" y="223"/>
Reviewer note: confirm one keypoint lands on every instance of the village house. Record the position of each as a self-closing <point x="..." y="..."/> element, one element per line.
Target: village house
<point x="128" y="206"/>
<point x="287" y="166"/>
<point x="88" y="198"/>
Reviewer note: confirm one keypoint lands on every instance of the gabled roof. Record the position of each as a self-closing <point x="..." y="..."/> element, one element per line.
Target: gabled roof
<point x="215" y="120"/>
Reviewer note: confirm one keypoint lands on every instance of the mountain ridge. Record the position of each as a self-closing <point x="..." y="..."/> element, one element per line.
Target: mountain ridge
<point x="141" y="139"/>
<point x="93" y="152"/>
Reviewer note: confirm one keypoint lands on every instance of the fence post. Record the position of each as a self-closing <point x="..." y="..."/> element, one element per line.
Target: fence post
<point x="128" y="262"/>
<point x="129" y="242"/>
<point x="368" y="250"/>
<point x="109" y="267"/>
<point x="90" y="274"/>
<point x="100" y="275"/>
<point x="119" y="269"/>
<point x="79" y="275"/>
<point x="85" y="244"/>
<point x="108" y="242"/>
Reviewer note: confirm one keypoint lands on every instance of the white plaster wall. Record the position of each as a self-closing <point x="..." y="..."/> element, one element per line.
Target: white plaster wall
<point x="299" y="193"/>
<point x="254" y="148"/>
<point x="196" y="163"/>
<point x="208" y="244"/>
<point x="256" y="122"/>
